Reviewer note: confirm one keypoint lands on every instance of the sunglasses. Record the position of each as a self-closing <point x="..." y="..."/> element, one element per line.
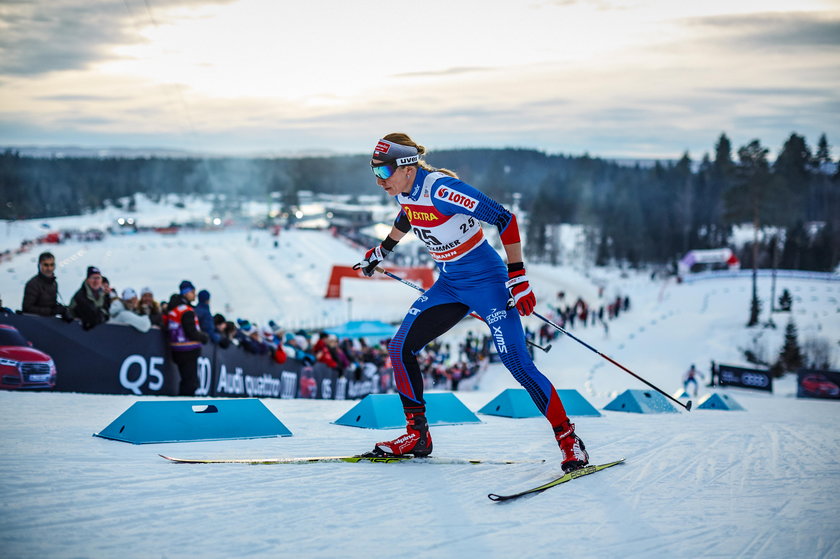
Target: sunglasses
<point x="384" y="170"/>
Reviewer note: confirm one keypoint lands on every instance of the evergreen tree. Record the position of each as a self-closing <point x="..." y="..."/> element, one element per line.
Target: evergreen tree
<point x="785" y="301"/>
<point x="637" y="214"/>
<point x="720" y="177"/>
<point x="684" y="203"/>
<point x="796" y="247"/>
<point x="790" y="358"/>
<point x="823" y="154"/>
<point x="748" y="198"/>
<point x="793" y="170"/>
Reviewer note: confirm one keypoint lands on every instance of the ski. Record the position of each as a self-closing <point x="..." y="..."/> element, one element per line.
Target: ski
<point x="585" y="471"/>
<point x="387" y="459"/>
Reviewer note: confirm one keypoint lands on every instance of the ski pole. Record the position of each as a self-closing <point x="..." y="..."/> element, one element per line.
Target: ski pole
<point x="421" y="290"/>
<point x="613" y="361"/>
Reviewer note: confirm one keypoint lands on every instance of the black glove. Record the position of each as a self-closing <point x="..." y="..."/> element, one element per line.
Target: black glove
<point x="64" y="313"/>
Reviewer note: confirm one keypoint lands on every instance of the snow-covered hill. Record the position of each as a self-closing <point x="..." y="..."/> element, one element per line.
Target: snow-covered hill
<point x="757" y="483"/>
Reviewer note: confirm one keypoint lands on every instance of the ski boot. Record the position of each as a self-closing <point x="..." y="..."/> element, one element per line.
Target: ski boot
<point x="417" y="440"/>
<point x="574" y="452"/>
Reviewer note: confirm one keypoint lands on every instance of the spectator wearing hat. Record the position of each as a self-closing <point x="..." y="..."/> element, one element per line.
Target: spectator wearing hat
<point x="122" y="311"/>
<point x="40" y="296"/>
<point x="205" y="317"/>
<point x="250" y="339"/>
<point x="267" y="336"/>
<point x="147" y="306"/>
<point x="300" y="351"/>
<point x="220" y="328"/>
<point x="230" y="330"/>
<point x="322" y="352"/>
<point x="89" y="302"/>
<point x="110" y="293"/>
<point x="185" y="337"/>
<point x="280" y="351"/>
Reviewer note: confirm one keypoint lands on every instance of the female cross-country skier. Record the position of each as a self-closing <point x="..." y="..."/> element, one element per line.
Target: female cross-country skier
<point x="445" y="213"/>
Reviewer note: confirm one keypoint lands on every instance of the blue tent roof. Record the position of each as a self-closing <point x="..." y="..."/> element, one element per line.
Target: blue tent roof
<point x="364" y="329"/>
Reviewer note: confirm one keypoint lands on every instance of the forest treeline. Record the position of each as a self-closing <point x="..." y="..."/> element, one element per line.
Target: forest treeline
<point x="633" y="214"/>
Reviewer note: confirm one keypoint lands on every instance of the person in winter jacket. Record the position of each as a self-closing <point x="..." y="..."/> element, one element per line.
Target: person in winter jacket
<point x="322" y="351"/>
<point x="220" y="328"/>
<point x="110" y="293"/>
<point x="149" y="307"/>
<point x="185" y="337"/>
<point x="298" y="351"/>
<point x="40" y="296"/>
<point x="123" y="311"/>
<point x="89" y="304"/>
<point x="205" y="317"/>
<point x="249" y="338"/>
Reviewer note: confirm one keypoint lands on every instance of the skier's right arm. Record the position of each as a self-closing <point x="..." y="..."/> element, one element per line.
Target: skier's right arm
<point x="375" y="256"/>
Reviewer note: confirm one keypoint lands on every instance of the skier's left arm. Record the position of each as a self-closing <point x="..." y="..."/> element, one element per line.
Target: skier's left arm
<point x="489" y="211"/>
<point x="522" y="296"/>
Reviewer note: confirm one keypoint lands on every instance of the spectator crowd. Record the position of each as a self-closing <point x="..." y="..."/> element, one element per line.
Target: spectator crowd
<point x="581" y="314"/>
<point x="188" y="322"/>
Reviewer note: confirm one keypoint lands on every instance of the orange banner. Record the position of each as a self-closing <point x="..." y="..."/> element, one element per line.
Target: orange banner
<point x="422" y="276"/>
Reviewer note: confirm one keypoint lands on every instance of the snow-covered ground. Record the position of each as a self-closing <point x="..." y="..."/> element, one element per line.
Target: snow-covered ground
<point x="757" y="483"/>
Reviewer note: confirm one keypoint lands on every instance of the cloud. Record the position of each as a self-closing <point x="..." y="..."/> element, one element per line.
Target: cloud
<point x="777" y="30"/>
<point x="444" y="72"/>
<point x="78" y="98"/>
<point x="54" y="35"/>
<point x="805" y="92"/>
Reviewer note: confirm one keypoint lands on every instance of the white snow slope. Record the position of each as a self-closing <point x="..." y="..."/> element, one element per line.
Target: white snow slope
<point x="757" y="483"/>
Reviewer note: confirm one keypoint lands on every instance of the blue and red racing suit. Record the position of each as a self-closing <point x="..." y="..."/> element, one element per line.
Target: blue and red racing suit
<point x="445" y="213"/>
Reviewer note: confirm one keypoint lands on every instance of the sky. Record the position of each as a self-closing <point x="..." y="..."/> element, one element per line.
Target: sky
<point x="633" y="78"/>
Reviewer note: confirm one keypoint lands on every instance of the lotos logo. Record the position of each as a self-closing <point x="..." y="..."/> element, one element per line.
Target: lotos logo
<point x="453" y="197"/>
<point x="382" y="147"/>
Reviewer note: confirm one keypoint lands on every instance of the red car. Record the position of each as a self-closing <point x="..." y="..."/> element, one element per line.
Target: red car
<point x="819" y="385"/>
<point x="21" y="365"/>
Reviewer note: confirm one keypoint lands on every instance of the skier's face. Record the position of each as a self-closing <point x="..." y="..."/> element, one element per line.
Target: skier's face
<point x="400" y="180"/>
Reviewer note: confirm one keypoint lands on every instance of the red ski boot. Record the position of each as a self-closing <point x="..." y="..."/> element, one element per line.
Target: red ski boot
<point x="416" y="441"/>
<point x="575" y="456"/>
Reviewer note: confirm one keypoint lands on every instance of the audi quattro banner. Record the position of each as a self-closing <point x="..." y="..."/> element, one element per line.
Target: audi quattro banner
<point x="239" y="373"/>
<point x="741" y="377"/>
<point x="117" y="359"/>
<point x="109" y="359"/>
<point x="818" y="384"/>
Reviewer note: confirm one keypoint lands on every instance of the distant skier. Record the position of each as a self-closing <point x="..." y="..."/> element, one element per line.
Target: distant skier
<point x="445" y="214"/>
<point x="690" y="377"/>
